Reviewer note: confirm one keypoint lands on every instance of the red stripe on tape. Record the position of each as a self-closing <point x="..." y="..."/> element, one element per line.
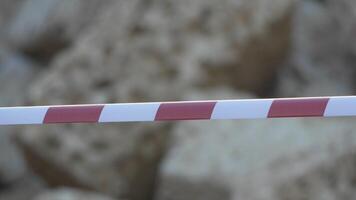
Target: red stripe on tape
<point x="185" y="111"/>
<point x="298" y="107"/>
<point x="69" y="114"/>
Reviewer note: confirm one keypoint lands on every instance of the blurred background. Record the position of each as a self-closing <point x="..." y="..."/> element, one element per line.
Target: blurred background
<point x="106" y="51"/>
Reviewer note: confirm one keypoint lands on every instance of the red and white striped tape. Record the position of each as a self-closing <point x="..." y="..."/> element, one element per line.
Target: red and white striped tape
<point x="184" y="110"/>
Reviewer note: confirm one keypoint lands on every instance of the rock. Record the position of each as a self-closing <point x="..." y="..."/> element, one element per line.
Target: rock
<point x="322" y="61"/>
<point x="70" y="194"/>
<point x="119" y="160"/>
<point x="187" y="49"/>
<point x="230" y="159"/>
<point x="240" y="47"/>
<point x="42" y="28"/>
<point x="140" y="52"/>
<point x="156" y="47"/>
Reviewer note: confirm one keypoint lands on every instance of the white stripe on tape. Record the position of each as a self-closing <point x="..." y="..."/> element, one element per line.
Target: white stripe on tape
<point x="242" y="109"/>
<point x="22" y="115"/>
<point x="341" y="106"/>
<point x="129" y="112"/>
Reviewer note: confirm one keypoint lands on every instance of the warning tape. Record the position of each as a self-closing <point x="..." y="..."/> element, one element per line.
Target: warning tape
<point x="181" y="110"/>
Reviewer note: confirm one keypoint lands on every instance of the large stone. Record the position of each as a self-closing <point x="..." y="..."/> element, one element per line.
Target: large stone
<point x="183" y="47"/>
<point x="70" y="194"/>
<point x="255" y="159"/>
<point x="147" y="51"/>
<point x="192" y="45"/>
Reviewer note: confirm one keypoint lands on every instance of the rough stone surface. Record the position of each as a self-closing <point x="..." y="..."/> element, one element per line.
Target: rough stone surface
<point x="183" y="46"/>
<point x="70" y="194"/>
<point x="147" y="50"/>
<point x="230" y="159"/>
<point x="119" y="160"/>
<point x="333" y="179"/>
<point x="322" y="61"/>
